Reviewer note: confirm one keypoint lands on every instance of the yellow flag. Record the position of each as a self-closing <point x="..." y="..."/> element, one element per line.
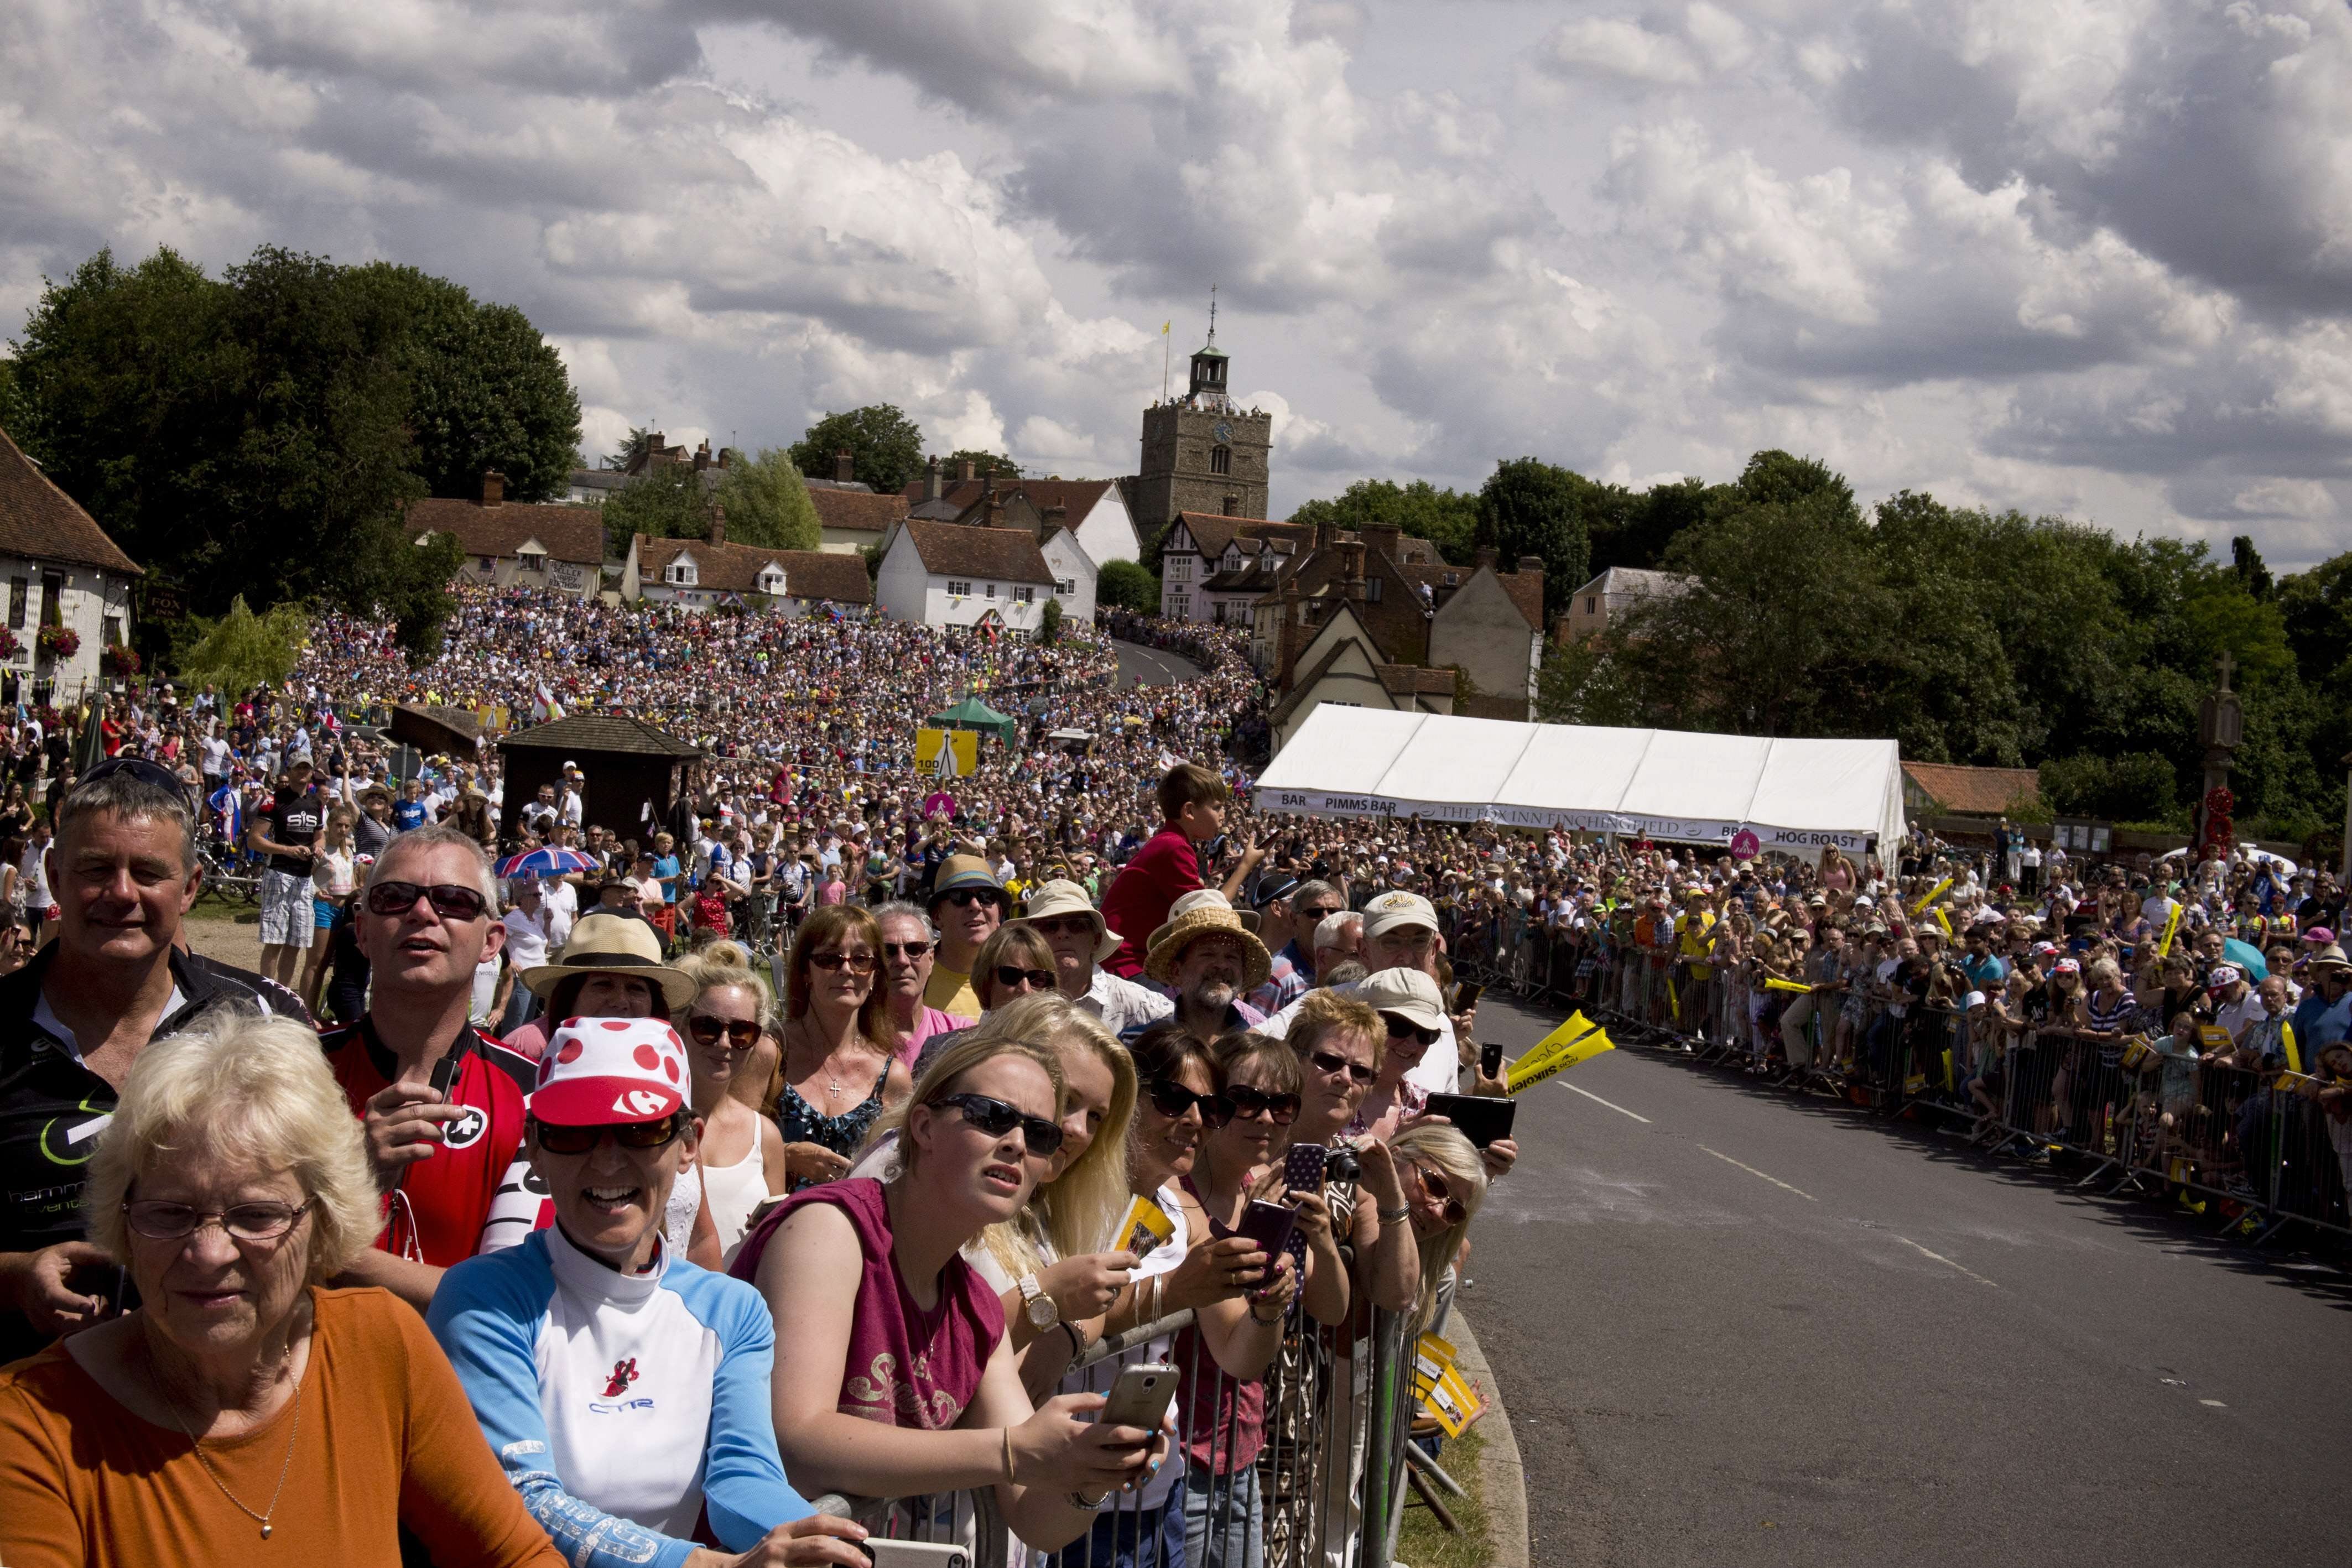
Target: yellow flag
<point x="2286" y="1039"/>
<point x="1921" y="907"/>
<point x="1551" y="1045"/>
<point x="1164" y="326"/>
<point x="2171" y="924"/>
<point x="1776" y="984"/>
<point x="1945" y="921"/>
<point x="1584" y="1050"/>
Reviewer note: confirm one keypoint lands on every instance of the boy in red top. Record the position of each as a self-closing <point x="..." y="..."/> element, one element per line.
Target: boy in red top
<point x="1193" y="806"/>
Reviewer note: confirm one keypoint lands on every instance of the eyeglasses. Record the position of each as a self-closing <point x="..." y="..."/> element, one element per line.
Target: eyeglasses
<point x="964" y="897"/>
<point x="253" y="1222"/>
<point x="855" y="963"/>
<point x="996" y="1118"/>
<point x="905" y="949"/>
<point x="1405" y="1028"/>
<point x="559" y="1139"/>
<point x="1171" y="1100"/>
<point x="740" y="1033"/>
<point x="139" y="767"/>
<point x="1434" y="1185"/>
<point x="1014" y="975"/>
<point x="1280" y="1109"/>
<point x="450" y="900"/>
<point x="1063" y="926"/>
<point x="1332" y="1061"/>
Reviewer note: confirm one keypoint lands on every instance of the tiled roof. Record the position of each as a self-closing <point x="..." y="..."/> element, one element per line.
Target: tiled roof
<point x="735" y="568"/>
<point x="600" y="732"/>
<point x="569" y="533"/>
<point x="40" y="522"/>
<point x="598" y="479"/>
<point x="1003" y="555"/>
<point x="1974" y="791"/>
<point x="1411" y="680"/>
<point x="860" y="509"/>
<point x="1213" y="532"/>
<point x="1076" y="496"/>
<point x="1621" y="581"/>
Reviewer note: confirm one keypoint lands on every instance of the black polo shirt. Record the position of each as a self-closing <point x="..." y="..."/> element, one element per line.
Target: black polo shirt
<point x="52" y="1108"/>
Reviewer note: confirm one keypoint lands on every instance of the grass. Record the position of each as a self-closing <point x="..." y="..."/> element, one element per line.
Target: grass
<point x="1424" y="1542"/>
<point x="210" y="905"/>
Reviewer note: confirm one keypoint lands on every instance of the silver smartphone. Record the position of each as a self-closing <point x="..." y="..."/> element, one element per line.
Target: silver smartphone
<point x="914" y="1553"/>
<point x="1141" y="1396"/>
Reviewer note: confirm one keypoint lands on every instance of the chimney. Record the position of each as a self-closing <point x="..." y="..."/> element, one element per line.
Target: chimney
<point x="931" y="480"/>
<point x="1323" y="531"/>
<point x="965" y="472"/>
<point x="494" y="488"/>
<point x="1384" y="537"/>
<point x="1490" y="557"/>
<point x="723" y="453"/>
<point x="1057" y="516"/>
<point x="845" y="467"/>
<point x="703" y="455"/>
<point x="1352" y="570"/>
<point x="718" y="524"/>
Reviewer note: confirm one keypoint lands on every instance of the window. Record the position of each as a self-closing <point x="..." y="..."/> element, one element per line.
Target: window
<point x="1025" y="595"/>
<point x="488" y="564"/>
<point x="113" y="637"/>
<point x="1067" y="587"/>
<point x="1232" y="506"/>
<point x="1233" y="560"/>
<point x="19" y="590"/>
<point x="53" y="600"/>
<point x="1372" y="591"/>
<point x="681" y="572"/>
<point x="1221" y="459"/>
<point x="1593" y="604"/>
<point x="958" y="589"/>
<point x="991" y="591"/>
<point x="771" y="581"/>
<point x="1180" y="607"/>
<point x="1180" y="568"/>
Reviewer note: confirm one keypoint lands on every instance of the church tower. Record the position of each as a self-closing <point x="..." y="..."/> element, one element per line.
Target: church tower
<point x="1202" y="452"/>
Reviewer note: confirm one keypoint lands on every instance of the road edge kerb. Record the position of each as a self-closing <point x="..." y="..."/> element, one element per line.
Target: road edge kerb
<point x="1505" y="1474"/>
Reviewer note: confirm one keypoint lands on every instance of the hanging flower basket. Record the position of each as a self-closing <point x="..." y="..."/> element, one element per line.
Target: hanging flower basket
<point x="121" y="660"/>
<point x="10" y="644"/>
<point x="60" y="641"/>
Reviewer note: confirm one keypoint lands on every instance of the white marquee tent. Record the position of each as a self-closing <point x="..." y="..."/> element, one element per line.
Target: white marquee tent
<point x="1793" y="795"/>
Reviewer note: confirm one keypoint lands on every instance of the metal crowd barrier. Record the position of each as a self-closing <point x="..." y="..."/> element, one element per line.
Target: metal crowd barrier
<point x="2232" y="1143"/>
<point x="1301" y="1468"/>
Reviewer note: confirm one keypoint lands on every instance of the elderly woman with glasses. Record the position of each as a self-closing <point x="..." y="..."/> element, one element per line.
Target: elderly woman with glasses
<point x="241" y="1405"/>
<point x="624" y="1387"/>
<point x="838" y="1072"/>
<point x="895" y="1377"/>
<point x="907" y="954"/>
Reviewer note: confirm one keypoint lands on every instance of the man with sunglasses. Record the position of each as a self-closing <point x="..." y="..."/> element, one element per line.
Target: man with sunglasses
<point x="967" y="905"/>
<point x="76" y="1018"/>
<point x="427" y="917"/>
<point x="1060" y="911"/>
<point x="1289" y="911"/>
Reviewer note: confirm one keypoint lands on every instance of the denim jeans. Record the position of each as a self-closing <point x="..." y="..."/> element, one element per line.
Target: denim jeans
<point x="1222" y="1527"/>
<point x="1125" y="1538"/>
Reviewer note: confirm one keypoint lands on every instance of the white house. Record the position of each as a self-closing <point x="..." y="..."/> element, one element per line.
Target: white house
<point x="1092" y="510"/>
<point x="702" y="574"/>
<point x="1073" y="572"/>
<point x="1216" y="568"/>
<point x="64" y="575"/>
<point x="945" y="574"/>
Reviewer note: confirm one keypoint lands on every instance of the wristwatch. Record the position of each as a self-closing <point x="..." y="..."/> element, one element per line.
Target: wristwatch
<point x="1042" y="1313"/>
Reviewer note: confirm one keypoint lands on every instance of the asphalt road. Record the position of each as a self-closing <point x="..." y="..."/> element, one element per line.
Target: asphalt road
<point x="1151" y="666"/>
<point x="1734" y="1328"/>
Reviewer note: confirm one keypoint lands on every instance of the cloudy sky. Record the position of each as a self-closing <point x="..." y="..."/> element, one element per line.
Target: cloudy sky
<point x="2089" y="256"/>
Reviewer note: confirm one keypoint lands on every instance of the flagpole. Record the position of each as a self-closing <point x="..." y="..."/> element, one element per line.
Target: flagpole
<point x="1163" y="361"/>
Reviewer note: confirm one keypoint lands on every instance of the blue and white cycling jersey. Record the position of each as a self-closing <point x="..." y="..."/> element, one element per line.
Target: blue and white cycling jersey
<point x="621" y="1405"/>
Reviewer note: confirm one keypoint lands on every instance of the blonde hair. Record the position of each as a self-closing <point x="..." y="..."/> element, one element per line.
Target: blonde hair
<point x="1074" y="1211"/>
<point x="248" y="1087"/>
<point x="1322" y="1013"/>
<point x="730" y="964"/>
<point x="1457" y="1158"/>
<point x="983" y="1042"/>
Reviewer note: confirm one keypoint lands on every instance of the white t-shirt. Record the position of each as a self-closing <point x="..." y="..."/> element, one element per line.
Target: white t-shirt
<point x="33" y="877"/>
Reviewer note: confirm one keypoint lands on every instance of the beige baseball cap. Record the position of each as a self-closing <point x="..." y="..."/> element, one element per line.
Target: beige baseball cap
<point x="1408" y="993"/>
<point x="1391" y="910"/>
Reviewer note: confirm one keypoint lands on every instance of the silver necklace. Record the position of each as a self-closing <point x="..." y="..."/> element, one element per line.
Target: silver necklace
<point x="291" y="1437"/>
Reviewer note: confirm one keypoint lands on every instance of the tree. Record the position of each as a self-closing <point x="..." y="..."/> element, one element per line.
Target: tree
<point x="637" y="440"/>
<point x="884" y="447"/>
<point x="767" y="502"/>
<point x="1447" y="518"/>
<point x="241" y="650"/>
<point x="1126" y="585"/>
<point x="485" y="390"/>
<point x="666" y="502"/>
<point x="1049" y="622"/>
<point x="1529" y="507"/>
<point x="2247" y="562"/>
<point x="952" y="466"/>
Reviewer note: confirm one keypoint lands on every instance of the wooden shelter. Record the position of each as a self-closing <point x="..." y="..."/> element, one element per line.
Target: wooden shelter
<point x="433" y="730"/>
<point x="635" y="772"/>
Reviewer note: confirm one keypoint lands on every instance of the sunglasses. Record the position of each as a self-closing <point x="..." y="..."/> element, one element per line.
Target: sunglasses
<point x="1280" y="1109"/>
<point x="558" y="1140"/>
<point x="1332" y="1061"/>
<point x="139" y="767"/>
<point x="965" y="897"/>
<point x="996" y="1118"/>
<point x="855" y="963"/>
<point x="1405" y="1028"/>
<point x="1014" y="975"/>
<point x="1063" y="926"/>
<point x="450" y="900"/>
<point x="740" y="1033"/>
<point x="905" y="949"/>
<point x="1434" y="1185"/>
<point x="1171" y="1100"/>
<point x="254" y="1222"/>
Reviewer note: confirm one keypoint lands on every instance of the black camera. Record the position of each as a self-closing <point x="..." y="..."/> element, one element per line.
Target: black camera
<point x="1343" y="1165"/>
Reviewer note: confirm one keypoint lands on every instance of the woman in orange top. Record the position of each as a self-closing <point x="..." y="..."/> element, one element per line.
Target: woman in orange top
<point x="243" y="1415"/>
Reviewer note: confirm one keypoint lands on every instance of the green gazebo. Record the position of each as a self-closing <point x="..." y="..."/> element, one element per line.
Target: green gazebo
<point x="973" y="714"/>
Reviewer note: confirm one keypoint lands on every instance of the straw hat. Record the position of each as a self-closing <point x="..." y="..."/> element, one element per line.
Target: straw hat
<point x="2328" y="957"/>
<point x="1063" y="897"/>
<point x="612" y="944"/>
<point x="1168" y="943"/>
<point x="1201" y="898"/>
